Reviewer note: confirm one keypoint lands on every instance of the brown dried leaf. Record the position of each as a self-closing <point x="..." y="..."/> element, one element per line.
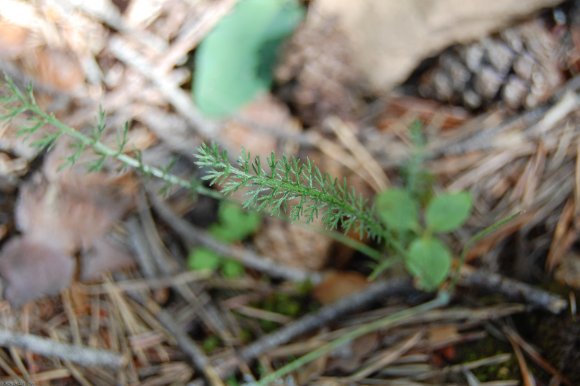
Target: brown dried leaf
<point x="72" y="212"/>
<point x="568" y="272"/>
<point x="56" y="68"/>
<point x="338" y="285"/>
<point x="34" y="268"/>
<point x="439" y="335"/>
<point x="12" y="40"/>
<point x="61" y="214"/>
<point x="104" y="255"/>
<point x="249" y="130"/>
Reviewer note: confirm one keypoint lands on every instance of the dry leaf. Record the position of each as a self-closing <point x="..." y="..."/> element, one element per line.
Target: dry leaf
<point x="439" y="335"/>
<point x="72" y="212"/>
<point x="34" y="268"/>
<point x="61" y="214"/>
<point x="104" y="255"/>
<point x="338" y="285"/>
<point x="250" y="129"/>
<point x="56" y="68"/>
<point x="568" y="272"/>
<point x="12" y="40"/>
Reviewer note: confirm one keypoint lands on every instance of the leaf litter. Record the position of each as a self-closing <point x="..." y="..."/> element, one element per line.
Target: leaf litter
<point x="69" y="225"/>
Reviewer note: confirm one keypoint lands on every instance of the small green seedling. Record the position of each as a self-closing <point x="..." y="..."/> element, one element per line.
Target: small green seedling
<point x="426" y="257"/>
<point x="300" y="190"/>
<point x="234" y="224"/>
<point x="407" y="221"/>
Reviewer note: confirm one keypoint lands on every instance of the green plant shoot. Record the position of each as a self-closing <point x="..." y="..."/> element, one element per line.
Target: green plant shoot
<point x="234" y="224"/>
<point x="426" y="257"/>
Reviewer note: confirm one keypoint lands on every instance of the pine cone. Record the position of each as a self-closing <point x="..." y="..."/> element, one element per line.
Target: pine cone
<point x="519" y="66"/>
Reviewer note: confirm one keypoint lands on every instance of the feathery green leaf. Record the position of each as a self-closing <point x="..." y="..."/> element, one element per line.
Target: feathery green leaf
<point x="291" y="187"/>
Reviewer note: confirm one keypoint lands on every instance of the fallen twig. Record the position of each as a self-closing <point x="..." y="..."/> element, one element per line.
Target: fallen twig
<point x="84" y="356"/>
<point x="323" y="316"/>
<point x="177" y="97"/>
<point x="185" y="343"/>
<point x="512" y="289"/>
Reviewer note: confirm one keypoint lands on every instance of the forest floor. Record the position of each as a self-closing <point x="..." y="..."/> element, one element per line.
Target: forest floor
<point x="107" y="281"/>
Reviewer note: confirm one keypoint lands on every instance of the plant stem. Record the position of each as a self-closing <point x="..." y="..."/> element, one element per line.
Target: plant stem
<point x="27" y="103"/>
<point x="473" y="240"/>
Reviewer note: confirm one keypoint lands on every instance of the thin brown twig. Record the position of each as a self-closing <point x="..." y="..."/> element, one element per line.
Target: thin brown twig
<point x="193" y="292"/>
<point x="81" y="355"/>
<point x="527" y="376"/>
<point x="516" y="339"/>
<point x="323" y="316"/>
<point x="187" y="345"/>
<point x="512" y="289"/>
<point x="177" y="97"/>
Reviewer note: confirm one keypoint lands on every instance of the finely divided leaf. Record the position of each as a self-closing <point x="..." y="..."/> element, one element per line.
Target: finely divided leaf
<point x="234" y="63"/>
<point x="448" y="211"/>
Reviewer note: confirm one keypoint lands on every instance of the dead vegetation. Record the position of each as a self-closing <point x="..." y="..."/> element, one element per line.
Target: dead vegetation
<point x="96" y="289"/>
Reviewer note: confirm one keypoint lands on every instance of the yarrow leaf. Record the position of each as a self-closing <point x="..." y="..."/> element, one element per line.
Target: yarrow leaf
<point x="290" y="187"/>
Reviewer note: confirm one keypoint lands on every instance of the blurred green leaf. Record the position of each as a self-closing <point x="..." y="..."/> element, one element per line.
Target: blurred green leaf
<point x="235" y="223"/>
<point x="398" y="209"/>
<point x="211" y="343"/>
<point x="429" y="261"/>
<point x="448" y="211"/>
<point x="241" y="223"/>
<point x="203" y="259"/>
<point x="232" y="269"/>
<point x="234" y="62"/>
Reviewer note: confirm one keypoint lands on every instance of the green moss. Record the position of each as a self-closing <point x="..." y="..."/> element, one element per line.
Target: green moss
<point x="485" y="348"/>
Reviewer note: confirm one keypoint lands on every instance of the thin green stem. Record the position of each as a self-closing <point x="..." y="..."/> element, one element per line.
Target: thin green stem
<point x="356" y="245"/>
<point x="27" y="103"/>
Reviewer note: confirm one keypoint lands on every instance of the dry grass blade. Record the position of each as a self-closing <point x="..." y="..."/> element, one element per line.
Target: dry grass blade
<point x="527" y="376"/>
<point x="516" y="339"/>
<point x="387" y="357"/>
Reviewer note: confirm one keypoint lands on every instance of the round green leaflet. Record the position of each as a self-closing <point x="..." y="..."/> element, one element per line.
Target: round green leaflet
<point x="398" y="210"/>
<point x="448" y="211"/>
<point x="429" y="261"/>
